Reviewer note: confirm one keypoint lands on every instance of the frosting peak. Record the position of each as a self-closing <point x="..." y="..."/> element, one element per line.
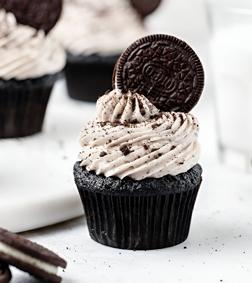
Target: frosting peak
<point x="122" y="141"/>
<point x="118" y="107"/>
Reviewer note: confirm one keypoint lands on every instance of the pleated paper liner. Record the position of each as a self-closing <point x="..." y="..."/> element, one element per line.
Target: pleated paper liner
<point x="139" y="222"/>
<point x="23" y="105"/>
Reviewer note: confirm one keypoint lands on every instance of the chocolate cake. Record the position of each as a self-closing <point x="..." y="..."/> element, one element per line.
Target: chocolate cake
<point x="139" y="176"/>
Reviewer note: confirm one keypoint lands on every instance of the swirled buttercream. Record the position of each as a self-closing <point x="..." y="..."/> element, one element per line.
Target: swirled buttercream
<point x="122" y="141"/>
<point x="118" y="107"/>
<point x="25" y="52"/>
<point x="106" y="26"/>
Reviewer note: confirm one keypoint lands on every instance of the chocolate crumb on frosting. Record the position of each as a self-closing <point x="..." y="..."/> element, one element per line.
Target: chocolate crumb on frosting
<point x="142" y="111"/>
<point x="103" y="153"/>
<point x="145" y="146"/>
<point x="135" y="121"/>
<point x="103" y="124"/>
<point x="154" y="126"/>
<point x="125" y="150"/>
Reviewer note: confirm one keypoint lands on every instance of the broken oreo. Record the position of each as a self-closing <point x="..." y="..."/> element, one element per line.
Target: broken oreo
<point x="29" y="256"/>
<point x="163" y="68"/>
<point x="145" y="7"/>
<point x="5" y="274"/>
<point x="40" y="14"/>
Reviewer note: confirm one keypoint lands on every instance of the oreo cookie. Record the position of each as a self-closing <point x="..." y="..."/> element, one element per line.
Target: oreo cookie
<point x="163" y="68"/>
<point x="145" y="7"/>
<point x="29" y="256"/>
<point x="40" y="14"/>
<point x="5" y="274"/>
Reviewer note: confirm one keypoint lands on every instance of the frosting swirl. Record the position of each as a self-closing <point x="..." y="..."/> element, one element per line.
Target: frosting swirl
<point x="118" y="107"/>
<point x="25" y="52"/>
<point x="106" y="26"/>
<point x="150" y="144"/>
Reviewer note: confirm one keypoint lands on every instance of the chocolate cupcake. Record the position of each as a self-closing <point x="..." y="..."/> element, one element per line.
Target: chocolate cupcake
<point x="94" y="34"/>
<point x="138" y="177"/>
<point x="30" y="64"/>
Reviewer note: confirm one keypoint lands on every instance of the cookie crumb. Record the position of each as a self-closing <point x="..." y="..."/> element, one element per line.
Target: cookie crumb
<point x="124" y="149"/>
<point x="154" y="126"/>
<point x="103" y="153"/>
<point x="145" y="146"/>
<point x="142" y="111"/>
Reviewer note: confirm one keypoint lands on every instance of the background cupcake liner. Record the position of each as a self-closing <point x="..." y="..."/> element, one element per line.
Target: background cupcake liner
<point x="89" y="77"/>
<point x="23" y="105"/>
<point x="139" y="222"/>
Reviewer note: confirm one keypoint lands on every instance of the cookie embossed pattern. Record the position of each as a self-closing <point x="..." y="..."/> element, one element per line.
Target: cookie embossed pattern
<point x="164" y="69"/>
<point x="138" y="177"/>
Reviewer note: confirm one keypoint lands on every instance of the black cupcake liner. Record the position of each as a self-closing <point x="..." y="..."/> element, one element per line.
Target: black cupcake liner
<point x="89" y="77"/>
<point x="23" y="105"/>
<point x="138" y="222"/>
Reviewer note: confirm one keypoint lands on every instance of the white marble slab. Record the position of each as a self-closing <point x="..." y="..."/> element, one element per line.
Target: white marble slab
<point x="36" y="175"/>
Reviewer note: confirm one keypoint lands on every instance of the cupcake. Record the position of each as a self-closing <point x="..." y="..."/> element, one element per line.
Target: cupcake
<point x="94" y="34"/>
<point x="138" y="174"/>
<point x="30" y="64"/>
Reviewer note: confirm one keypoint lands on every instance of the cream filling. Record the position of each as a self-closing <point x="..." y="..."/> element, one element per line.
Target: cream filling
<point x="47" y="267"/>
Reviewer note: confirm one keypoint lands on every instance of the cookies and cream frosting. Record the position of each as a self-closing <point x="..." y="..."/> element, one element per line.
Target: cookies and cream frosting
<point x="25" y="52"/>
<point x="131" y="137"/>
<point x="106" y="26"/>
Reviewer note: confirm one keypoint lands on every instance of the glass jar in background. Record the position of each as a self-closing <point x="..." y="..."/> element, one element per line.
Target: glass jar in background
<point x="230" y="25"/>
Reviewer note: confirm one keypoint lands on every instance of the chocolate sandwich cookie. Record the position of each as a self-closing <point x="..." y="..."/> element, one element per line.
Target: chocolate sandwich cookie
<point x="5" y="274"/>
<point x="40" y="14"/>
<point x="163" y="68"/>
<point x="29" y="256"/>
<point x="145" y="7"/>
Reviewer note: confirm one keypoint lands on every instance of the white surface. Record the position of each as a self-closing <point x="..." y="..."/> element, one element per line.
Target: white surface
<point x="36" y="175"/>
<point x="233" y="70"/>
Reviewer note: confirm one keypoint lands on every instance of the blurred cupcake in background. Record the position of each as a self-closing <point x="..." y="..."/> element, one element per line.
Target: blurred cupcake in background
<point x="30" y="62"/>
<point x="94" y="34"/>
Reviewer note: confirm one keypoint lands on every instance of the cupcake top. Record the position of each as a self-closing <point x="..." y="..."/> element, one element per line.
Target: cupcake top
<point x="131" y="137"/>
<point x="140" y="135"/>
<point x="26" y="53"/>
<point x="106" y="26"/>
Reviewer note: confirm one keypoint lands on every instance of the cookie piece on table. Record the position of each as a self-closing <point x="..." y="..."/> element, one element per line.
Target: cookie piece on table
<point x="40" y="14"/>
<point x="163" y="68"/>
<point x="5" y="274"/>
<point x="28" y="256"/>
